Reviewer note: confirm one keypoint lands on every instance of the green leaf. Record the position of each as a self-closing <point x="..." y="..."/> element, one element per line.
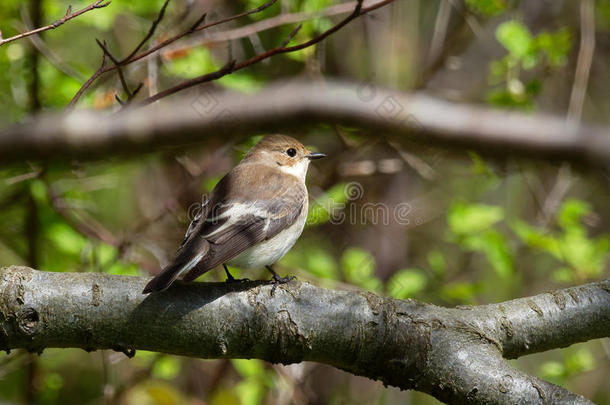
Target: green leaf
<point x="248" y="368"/>
<point x="498" y="253"/>
<point x="242" y="82"/>
<point x="406" y="283"/>
<point x="463" y="293"/>
<point x="250" y="392"/>
<point x="467" y="219"/>
<point x="436" y="260"/>
<point x="552" y="370"/>
<point x="515" y="37"/>
<point x="536" y="239"/>
<point x="105" y="254"/>
<point x="495" y="247"/>
<point x="196" y="62"/>
<point x="65" y="239"/>
<point x="479" y="166"/>
<point x="161" y="393"/>
<point x="224" y="396"/>
<point x="372" y="284"/>
<point x="328" y="206"/>
<point x="358" y="265"/>
<point x="579" y="361"/>
<point x="486" y="8"/>
<point x="167" y="368"/>
<point x="123" y="269"/>
<point x="563" y="275"/>
<point x="571" y="213"/>
<point x="39" y="191"/>
<point x="555" y="45"/>
<point x="320" y="263"/>
<point x="210" y="182"/>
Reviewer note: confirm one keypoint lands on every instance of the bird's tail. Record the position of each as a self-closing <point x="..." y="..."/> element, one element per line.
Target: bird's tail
<point x="186" y="258"/>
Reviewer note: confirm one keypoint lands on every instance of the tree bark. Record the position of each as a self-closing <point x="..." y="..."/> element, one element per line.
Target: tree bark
<point x="455" y="354"/>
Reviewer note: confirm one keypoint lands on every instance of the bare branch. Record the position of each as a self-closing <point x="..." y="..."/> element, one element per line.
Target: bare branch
<point x="130" y="94"/>
<point x="160" y="45"/>
<point x="291" y="36"/>
<point x="198" y="23"/>
<point x="263" y="25"/>
<point x="282" y="48"/>
<point x="585" y="58"/>
<point x="223" y="71"/>
<point x="67" y="17"/>
<point x="88" y="83"/>
<point x="398" y="116"/>
<point x="454" y="354"/>
<point x="116" y="63"/>
<point x="150" y="33"/>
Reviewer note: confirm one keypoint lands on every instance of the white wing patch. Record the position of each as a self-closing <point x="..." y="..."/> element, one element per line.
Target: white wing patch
<point x="236" y="214"/>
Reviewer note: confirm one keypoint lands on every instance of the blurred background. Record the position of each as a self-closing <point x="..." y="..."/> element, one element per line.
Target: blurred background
<point x="449" y="227"/>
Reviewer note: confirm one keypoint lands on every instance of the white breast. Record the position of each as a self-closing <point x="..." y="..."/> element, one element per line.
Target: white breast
<point x="272" y="250"/>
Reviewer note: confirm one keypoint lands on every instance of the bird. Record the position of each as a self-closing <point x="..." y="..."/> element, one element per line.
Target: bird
<point x="252" y="218"/>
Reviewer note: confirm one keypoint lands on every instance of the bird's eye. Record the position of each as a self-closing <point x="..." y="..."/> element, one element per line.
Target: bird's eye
<point x="291" y="152"/>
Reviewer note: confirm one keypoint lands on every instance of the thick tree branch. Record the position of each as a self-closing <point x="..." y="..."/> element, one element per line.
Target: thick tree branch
<point x="68" y="16"/>
<point x="453" y="354"/>
<point x="285" y="107"/>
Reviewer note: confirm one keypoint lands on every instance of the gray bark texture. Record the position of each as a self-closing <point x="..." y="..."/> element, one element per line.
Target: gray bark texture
<point x="455" y="354"/>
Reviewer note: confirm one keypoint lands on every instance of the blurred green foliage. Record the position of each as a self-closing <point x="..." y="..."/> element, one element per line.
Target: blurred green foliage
<point x="545" y="51"/>
<point x="256" y="379"/>
<point x="471" y="227"/>
<point x="580" y="256"/>
<point x="574" y="362"/>
<point x="358" y="268"/>
<point x="487" y="246"/>
<point x="487" y="8"/>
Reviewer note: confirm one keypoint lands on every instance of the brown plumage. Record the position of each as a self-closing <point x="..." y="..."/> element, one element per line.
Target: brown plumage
<point x="259" y="198"/>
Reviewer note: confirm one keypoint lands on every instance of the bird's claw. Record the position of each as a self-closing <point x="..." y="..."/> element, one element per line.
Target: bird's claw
<point x="277" y="280"/>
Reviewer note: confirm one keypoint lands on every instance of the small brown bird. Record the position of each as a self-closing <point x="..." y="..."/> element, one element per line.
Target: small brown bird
<point x="253" y="217"/>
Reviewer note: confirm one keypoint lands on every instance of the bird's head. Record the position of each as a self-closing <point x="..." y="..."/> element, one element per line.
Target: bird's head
<point x="283" y="152"/>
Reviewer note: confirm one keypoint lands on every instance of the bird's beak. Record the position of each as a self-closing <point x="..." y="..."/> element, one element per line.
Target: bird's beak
<point x="314" y="155"/>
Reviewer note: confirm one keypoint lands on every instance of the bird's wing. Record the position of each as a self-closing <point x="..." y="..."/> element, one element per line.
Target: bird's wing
<point x="199" y="217"/>
<point x="240" y="226"/>
<point x="243" y="211"/>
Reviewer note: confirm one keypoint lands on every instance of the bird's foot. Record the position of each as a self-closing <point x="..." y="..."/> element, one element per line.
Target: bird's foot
<point x="277" y="279"/>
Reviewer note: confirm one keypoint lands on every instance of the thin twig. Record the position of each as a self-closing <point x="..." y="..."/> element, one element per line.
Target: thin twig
<point x="194" y="28"/>
<point x="585" y="58"/>
<point x="264" y="25"/>
<point x="563" y="182"/>
<point x="42" y="47"/>
<point x="198" y="23"/>
<point x="223" y="71"/>
<point x="282" y="48"/>
<point x="150" y="33"/>
<point x="440" y="32"/>
<point x="291" y="36"/>
<point x="68" y="16"/>
<point x="84" y="87"/>
<point x="121" y="75"/>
